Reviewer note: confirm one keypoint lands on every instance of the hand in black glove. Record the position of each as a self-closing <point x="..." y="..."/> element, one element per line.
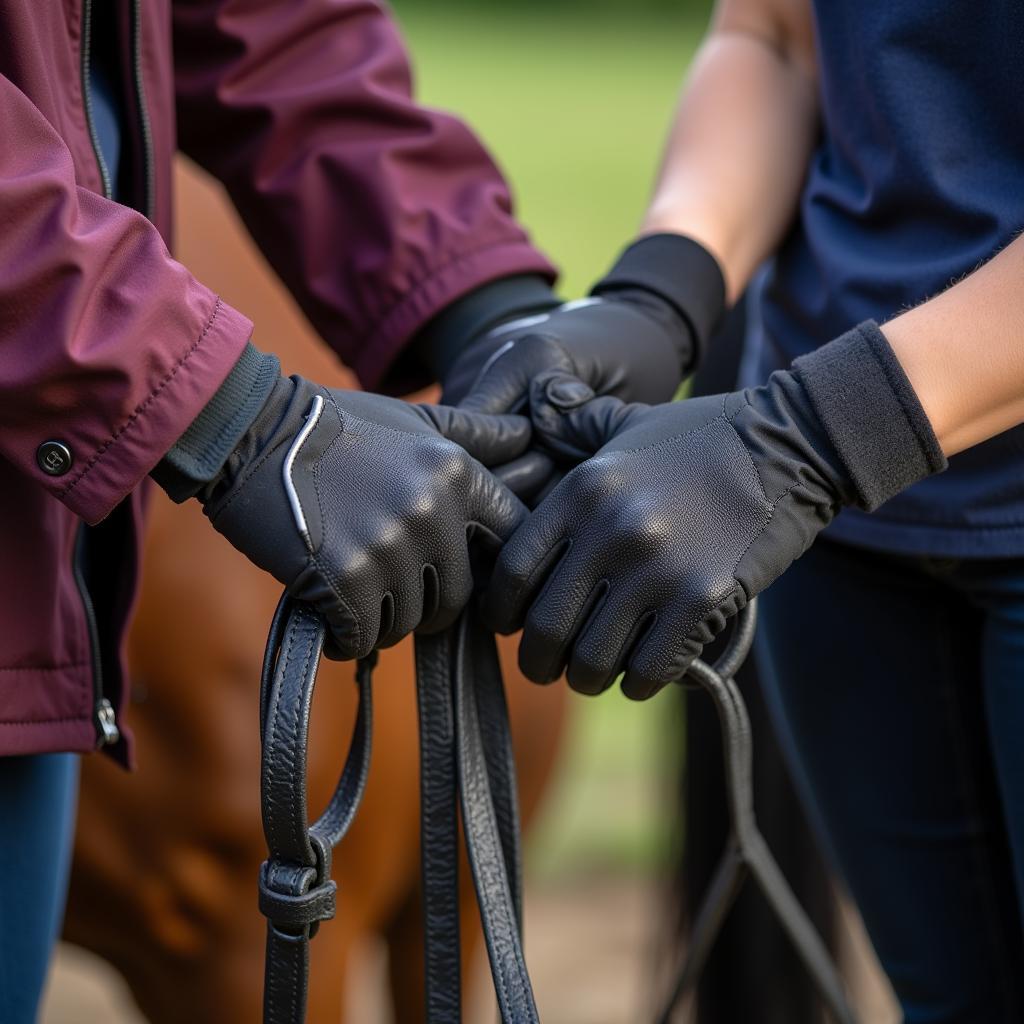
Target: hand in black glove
<point x="636" y="337"/>
<point x="366" y="506"/>
<point x="640" y="555"/>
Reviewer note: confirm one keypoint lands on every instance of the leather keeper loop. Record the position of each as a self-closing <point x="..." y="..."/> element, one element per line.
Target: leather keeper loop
<point x="291" y="912"/>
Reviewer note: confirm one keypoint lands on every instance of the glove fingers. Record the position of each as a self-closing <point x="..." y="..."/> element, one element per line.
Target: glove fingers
<point x="401" y="611"/>
<point x="492" y="505"/>
<point x="521" y="569"/>
<point x="491" y="439"/>
<point x="494" y="402"/>
<point x="503" y="383"/>
<point x="661" y="657"/>
<point x="447" y="590"/>
<point x="353" y="632"/>
<point x="605" y="643"/>
<point x="527" y="476"/>
<point x="569" y="420"/>
<point x="563" y="606"/>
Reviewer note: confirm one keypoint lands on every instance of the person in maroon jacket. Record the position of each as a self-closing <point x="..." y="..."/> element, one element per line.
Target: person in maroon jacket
<point x="393" y="229"/>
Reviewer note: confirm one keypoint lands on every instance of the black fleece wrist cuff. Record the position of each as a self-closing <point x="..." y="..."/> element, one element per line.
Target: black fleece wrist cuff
<point x="441" y="341"/>
<point x="871" y="414"/>
<point x="680" y="271"/>
<point x="198" y="455"/>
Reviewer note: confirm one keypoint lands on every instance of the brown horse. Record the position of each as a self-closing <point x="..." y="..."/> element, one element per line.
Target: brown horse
<point x="166" y="859"/>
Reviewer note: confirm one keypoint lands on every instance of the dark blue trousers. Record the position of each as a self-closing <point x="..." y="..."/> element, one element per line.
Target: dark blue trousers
<point x="38" y="797"/>
<point x="897" y="686"/>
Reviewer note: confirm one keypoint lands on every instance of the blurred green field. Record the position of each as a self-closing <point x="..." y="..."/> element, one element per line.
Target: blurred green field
<point x="575" y="110"/>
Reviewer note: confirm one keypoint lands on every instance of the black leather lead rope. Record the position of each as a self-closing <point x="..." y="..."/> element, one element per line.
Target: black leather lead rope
<point x="439" y="827"/>
<point x="295" y="885"/>
<point x="746" y="851"/>
<point x="467" y="755"/>
<point x="490" y="818"/>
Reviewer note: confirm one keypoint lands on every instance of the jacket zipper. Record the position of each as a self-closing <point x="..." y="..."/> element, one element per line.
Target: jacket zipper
<point x="149" y="199"/>
<point x="107" y="732"/>
<point x="87" y="97"/>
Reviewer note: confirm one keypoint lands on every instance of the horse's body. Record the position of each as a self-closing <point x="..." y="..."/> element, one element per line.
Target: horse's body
<point x="166" y="859"/>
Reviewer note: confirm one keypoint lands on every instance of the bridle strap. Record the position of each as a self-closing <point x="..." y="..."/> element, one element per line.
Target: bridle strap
<point x="466" y="754"/>
<point x="439" y="830"/>
<point x="296" y="891"/>
<point x="490" y="815"/>
<point x="466" y="761"/>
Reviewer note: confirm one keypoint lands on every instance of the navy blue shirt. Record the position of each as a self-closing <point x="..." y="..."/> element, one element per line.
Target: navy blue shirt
<point x="918" y="178"/>
<point x="107" y="113"/>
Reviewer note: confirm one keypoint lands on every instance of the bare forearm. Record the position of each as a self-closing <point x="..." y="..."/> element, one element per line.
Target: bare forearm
<point x="963" y="351"/>
<point x="741" y="141"/>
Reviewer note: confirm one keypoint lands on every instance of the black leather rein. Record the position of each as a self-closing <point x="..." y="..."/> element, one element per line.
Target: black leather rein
<point x="466" y="764"/>
<point x="466" y="755"/>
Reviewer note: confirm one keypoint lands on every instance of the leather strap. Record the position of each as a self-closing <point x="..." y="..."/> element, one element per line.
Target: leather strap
<point x="466" y="756"/>
<point x="439" y="829"/>
<point x="489" y="813"/>
<point x="296" y="891"/>
<point x="466" y="753"/>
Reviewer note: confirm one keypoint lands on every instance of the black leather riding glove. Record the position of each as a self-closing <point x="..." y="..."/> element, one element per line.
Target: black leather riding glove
<point x="637" y="336"/>
<point x="641" y="554"/>
<point x="365" y="506"/>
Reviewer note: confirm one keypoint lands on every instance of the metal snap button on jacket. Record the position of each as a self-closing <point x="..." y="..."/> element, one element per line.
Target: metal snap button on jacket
<point x="54" y="458"/>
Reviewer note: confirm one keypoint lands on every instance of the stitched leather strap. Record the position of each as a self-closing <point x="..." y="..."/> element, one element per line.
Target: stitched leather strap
<point x="296" y="892"/>
<point x="466" y="749"/>
<point x="489" y="813"/>
<point x="466" y="754"/>
<point x="439" y="830"/>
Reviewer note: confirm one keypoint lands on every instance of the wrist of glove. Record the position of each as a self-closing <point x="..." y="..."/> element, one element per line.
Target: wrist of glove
<point x="637" y="336"/>
<point x="373" y="510"/>
<point x="686" y="511"/>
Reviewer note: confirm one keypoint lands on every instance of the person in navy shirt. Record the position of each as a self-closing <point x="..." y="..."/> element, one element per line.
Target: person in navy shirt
<point x="858" y="170"/>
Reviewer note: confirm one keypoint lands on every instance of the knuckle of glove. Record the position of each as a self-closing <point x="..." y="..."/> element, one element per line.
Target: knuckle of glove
<point x="538" y="351"/>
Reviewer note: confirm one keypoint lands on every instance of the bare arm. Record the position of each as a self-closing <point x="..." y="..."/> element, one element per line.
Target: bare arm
<point x="731" y="178"/>
<point x="964" y="352"/>
<point x="743" y="134"/>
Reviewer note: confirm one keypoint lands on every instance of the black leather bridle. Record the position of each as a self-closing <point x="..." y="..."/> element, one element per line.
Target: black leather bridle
<point x="466" y="764"/>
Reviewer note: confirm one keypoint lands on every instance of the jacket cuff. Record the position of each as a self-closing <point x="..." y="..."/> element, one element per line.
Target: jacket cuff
<point x="198" y="455"/>
<point x="175" y="399"/>
<point x="680" y="271"/>
<point x="468" y="318"/>
<point x="384" y="366"/>
<point x="871" y="414"/>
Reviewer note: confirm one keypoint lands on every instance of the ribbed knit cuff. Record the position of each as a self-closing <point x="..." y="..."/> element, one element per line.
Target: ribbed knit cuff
<point x="683" y="273"/>
<point x="198" y="455"/>
<point x="871" y="414"/>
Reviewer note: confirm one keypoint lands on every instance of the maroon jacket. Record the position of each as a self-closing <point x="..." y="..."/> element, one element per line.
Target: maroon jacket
<point x="376" y="212"/>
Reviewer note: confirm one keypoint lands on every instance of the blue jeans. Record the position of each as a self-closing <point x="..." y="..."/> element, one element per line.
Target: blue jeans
<point x="38" y="796"/>
<point x="897" y="686"/>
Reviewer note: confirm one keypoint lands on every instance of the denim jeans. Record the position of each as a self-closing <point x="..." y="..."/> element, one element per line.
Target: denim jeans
<point x="897" y="687"/>
<point x="38" y="796"/>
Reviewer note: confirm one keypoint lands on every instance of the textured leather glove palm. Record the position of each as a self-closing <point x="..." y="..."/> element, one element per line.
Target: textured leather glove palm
<point x="639" y="556"/>
<point x="361" y="505"/>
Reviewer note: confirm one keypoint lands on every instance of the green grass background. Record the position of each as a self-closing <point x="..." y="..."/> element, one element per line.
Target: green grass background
<point x="574" y="104"/>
